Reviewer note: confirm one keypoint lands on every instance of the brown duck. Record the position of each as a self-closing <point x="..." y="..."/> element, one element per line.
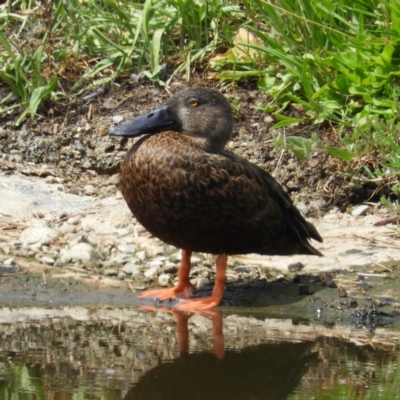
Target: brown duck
<point x="188" y="191"/>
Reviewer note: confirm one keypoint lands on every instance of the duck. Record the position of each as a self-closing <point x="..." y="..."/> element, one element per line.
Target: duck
<point x="183" y="186"/>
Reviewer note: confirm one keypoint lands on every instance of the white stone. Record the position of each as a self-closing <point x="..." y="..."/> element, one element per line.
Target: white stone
<point x="126" y="249"/>
<point x="47" y="260"/>
<point x="163" y="279"/>
<point x="90" y="189"/>
<point x="117" y="118"/>
<point x="110" y="272"/>
<point x="67" y="228"/>
<point x="150" y="272"/>
<point x="202" y="282"/>
<point x="81" y="252"/>
<point x="37" y="236"/>
<point x="130" y="268"/>
<point x="360" y="210"/>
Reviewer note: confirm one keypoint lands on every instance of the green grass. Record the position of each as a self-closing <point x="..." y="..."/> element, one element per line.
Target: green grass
<point x="335" y="62"/>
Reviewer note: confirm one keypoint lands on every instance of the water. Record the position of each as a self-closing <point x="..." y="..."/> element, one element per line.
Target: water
<point x="130" y="353"/>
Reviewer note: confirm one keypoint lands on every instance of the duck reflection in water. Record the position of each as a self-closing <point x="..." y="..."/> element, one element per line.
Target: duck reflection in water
<point x="267" y="371"/>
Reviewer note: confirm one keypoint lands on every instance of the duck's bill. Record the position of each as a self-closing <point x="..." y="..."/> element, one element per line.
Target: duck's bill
<point x="155" y="121"/>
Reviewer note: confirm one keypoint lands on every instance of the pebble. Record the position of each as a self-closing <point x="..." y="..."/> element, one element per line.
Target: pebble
<point x="52" y="179"/>
<point x="170" y="267"/>
<point x="92" y="240"/>
<point x="302" y="207"/>
<point x="156" y="262"/>
<point x="67" y="228"/>
<point x="117" y="118"/>
<point x="141" y="255"/>
<point x="8" y="262"/>
<point x="110" y="272"/>
<point x="130" y="268"/>
<point x="74" y="220"/>
<point x="305" y="290"/>
<point x="47" y="260"/>
<point x="6" y="249"/>
<point x="58" y="264"/>
<point x="360" y="210"/>
<point x="154" y="250"/>
<point x="83" y="252"/>
<point x="119" y="259"/>
<point x="121" y="276"/>
<point x="126" y="249"/>
<point x="195" y="260"/>
<point x="24" y="254"/>
<point x="90" y="190"/>
<point x="37" y="236"/>
<point x="202" y="283"/>
<point x="295" y="267"/>
<point x="163" y="279"/>
<point x="150" y="272"/>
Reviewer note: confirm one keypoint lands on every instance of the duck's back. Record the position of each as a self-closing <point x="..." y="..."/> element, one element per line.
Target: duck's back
<point x="213" y="203"/>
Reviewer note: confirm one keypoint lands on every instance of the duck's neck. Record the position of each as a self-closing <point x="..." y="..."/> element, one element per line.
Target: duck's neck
<point x="204" y="143"/>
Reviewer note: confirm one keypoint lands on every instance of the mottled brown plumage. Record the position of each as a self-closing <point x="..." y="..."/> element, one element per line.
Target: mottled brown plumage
<point x="188" y="191"/>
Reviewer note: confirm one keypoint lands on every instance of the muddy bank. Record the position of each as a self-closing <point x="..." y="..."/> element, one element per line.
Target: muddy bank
<point x="71" y="146"/>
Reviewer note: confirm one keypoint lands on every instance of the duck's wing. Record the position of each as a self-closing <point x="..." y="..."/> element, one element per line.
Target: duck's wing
<point x="303" y="229"/>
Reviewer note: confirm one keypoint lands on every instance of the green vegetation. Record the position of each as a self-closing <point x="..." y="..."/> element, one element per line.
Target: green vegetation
<point x="19" y="383"/>
<point x="335" y="61"/>
<point x="368" y="382"/>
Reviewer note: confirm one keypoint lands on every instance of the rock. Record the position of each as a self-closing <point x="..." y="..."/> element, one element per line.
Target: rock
<point x="150" y="272"/>
<point x="90" y="190"/>
<point x="329" y="282"/>
<point x="121" y="276"/>
<point x="119" y="259"/>
<point x="130" y="268"/>
<point x="8" y="262"/>
<point x="203" y="282"/>
<point x="37" y="236"/>
<point x="360" y="210"/>
<point x="67" y="228"/>
<point x="74" y="220"/>
<point x="126" y="249"/>
<point x="170" y="267"/>
<point x="163" y="279"/>
<point x="156" y="262"/>
<point x="295" y="267"/>
<point x="47" y="260"/>
<point x="52" y="179"/>
<point x="117" y="118"/>
<point x="110" y="272"/>
<point x="58" y="264"/>
<point x="154" y="250"/>
<point x="302" y="207"/>
<point x="194" y="260"/>
<point x="6" y="249"/>
<point x="141" y="255"/>
<point x="92" y="240"/>
<point x="305" y="290"/>
<point x="83" y="252"/>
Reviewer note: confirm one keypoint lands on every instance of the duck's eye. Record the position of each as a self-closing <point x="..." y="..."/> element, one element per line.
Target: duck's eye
<point x="194" y="103"/>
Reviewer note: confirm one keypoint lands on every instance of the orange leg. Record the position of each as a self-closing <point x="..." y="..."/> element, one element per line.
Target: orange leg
<point x="218" y="291"/>
<point x="182" y="318"/>
<point x="184" y="288"/>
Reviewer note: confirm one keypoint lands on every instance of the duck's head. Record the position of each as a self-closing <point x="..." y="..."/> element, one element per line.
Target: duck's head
<point x="203" y="114"/>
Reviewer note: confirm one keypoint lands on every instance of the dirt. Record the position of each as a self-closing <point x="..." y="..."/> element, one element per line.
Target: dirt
<point x="70" y="141"/>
